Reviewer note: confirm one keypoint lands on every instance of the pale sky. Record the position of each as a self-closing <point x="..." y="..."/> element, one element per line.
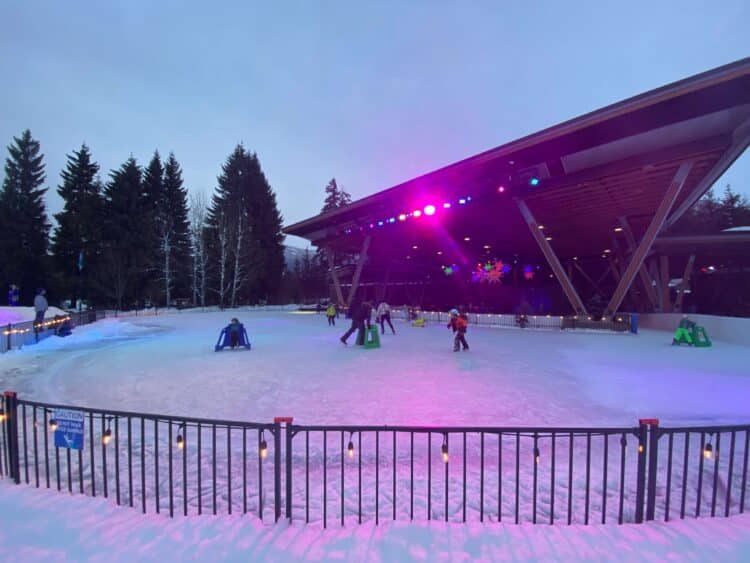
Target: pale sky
<point x="371" y="93"/>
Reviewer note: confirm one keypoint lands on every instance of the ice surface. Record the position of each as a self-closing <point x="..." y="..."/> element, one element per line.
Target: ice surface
<point x="166" y="364"/>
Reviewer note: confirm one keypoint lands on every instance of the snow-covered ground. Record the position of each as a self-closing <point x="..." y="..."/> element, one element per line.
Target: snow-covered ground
<point x="49" y="526"/>
<point x="166" y="364"/>
<point x="22" y="314"/>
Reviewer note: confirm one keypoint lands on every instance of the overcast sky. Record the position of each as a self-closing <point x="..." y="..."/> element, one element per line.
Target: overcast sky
<point x="372" y="93"/>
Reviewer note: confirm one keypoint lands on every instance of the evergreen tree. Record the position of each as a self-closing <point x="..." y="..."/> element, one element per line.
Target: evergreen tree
<point x="127" y="237"/>
<point x="153" y="193"/>
<point x="245" y="243"/>
<point x="173" y="227"/>
<point x="77" y="239"/>
<point x="335" y="197"/>
<point x="25" y="230"/>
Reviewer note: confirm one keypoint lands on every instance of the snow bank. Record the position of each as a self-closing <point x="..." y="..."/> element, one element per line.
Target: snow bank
<point x="23" y="314"/>
<point x="727" y="329"/>
<point x="38" y="525"/>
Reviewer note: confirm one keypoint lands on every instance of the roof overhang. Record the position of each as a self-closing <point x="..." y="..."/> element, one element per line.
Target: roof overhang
<point x="614" y="162"/>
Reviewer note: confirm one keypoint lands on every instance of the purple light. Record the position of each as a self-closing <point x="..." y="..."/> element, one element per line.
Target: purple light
<point x="392" y="220"/>
<point x="402" y="217"/>
<point x="462" y="201"/>
<point x="446" y="205"/>
<point x="380" y="223"/>
<point x="429" y="210"/>
<point x="417" y="213"/>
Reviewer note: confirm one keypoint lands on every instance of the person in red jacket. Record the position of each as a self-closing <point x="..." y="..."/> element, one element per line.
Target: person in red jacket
<point x="460" y="324"/>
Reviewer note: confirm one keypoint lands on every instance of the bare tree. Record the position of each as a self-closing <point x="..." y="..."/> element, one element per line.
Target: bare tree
<point x="223" y="237"/>
<point x="198" y="213"/>
<point x="238" y="277"/>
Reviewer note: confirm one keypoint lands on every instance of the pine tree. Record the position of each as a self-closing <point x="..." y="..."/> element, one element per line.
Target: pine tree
<point x="127" y="238"/>
<point x="245" y="243"/>
<point x="153" y="193"/>
<point x="172" y="224"/>
<point x="25" y="230"/>
<point x="77" y="240"/>
<point x="335" y="197"/>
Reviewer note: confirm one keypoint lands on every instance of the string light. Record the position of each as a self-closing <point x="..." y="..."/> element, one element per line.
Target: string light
<point x="107" y="436"/>
<point x="536" y="455"/>
<point x="263" y="451"/>
<point x="52" y="424"/>
<point x="708" y="450"/>
<point x="350" y="447"/>
<point x="429" y="210"/>
<point x="444" y="448"/>
<point x="2" y="415"/>
<point x="180" y="438"/>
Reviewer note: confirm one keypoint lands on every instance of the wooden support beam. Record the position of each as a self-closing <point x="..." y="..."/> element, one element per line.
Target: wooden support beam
<point x="552" y="260"/>
<point x="664" y="277"/>
<point x="684" y="284"/>
<point x="646" y="279"/>
<point x="740" y="142"/>
<point x="653" y="229"/>
<point x="358" y="271"/>
<point x="590" y="280"/>
<point x="335" y="277"/>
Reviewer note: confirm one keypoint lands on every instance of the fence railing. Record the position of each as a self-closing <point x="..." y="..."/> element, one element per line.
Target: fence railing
<point x="328" y="473"/>
<point x="17" y="335"/>
<point x="620" y="323"/>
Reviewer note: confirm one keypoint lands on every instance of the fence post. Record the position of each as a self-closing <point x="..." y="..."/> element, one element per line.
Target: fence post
<point x="277" y="471"/>
<point x="289" y="436"/>
<point x="640" y="491"/>
<point x="8" y="333"/>
<point x="11" y="431"/>
<point x="653" y="452"/>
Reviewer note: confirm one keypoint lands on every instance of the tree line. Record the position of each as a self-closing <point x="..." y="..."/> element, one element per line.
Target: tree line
<point x="139" y="237"/>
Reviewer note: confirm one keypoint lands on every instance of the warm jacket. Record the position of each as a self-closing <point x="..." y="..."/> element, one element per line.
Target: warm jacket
<point x="331" y="311"/>
<point x="458" y="324"/>
<point x="383" y="309"/>
<point x="40" y="303"/>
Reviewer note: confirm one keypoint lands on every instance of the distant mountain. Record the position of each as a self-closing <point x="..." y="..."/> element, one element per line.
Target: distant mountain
<point x="293" y="255"/>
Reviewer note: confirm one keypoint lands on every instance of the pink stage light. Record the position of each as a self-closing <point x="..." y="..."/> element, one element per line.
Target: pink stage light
<point x="402" y="217"/>
<point x="417" y="213"/>
<point x="429" y="210"/>
<point x="446" y="205"/>
<point x="500" y="189"/>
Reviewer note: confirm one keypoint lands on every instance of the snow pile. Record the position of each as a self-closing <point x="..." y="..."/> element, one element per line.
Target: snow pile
<point x="23" y="314"/>
<point x="46" y="525"/>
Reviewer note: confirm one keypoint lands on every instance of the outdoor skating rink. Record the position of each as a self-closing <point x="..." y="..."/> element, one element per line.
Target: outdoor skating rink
<point x="297" y="367"/>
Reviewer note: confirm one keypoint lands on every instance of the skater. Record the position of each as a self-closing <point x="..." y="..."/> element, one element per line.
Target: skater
<point x="383" y="315"/>
<point x="40" y="305"/>
<point x="460" y="324"/>
<point x="360" y="315"/>
<point x="234" y="329"/>
<point x="331" y="314"/>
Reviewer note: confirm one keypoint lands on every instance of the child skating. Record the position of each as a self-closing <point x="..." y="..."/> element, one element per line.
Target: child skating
<point x="331" y="314"/>
<point x="459" y="324"/>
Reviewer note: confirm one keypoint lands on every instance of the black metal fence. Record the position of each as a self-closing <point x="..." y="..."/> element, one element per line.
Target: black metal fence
<point x="350" y="474"/>
<point x="17" y="335"/>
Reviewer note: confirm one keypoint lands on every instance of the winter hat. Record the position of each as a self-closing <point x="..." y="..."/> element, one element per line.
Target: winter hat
<point x="453" y="312"/>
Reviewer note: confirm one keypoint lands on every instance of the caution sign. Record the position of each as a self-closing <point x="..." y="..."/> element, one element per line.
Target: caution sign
<point x="69" y="431"/>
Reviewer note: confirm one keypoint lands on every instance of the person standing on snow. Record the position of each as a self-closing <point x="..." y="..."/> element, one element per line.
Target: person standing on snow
<point x="360" y="314"/>
<point x="459" y="324"/>
<point x="40" y="305"/>
<point x="331" y="314"/>
<point x="383" y="315"/>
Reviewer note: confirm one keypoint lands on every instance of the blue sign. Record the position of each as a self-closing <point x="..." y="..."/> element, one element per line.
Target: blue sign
<point x="69" y="432"/>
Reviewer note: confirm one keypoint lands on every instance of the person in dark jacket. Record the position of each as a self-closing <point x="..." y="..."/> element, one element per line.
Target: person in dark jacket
<point x="360" y="315"/>
<point x="234" y="328"/>
<point x="460" y="324"/>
